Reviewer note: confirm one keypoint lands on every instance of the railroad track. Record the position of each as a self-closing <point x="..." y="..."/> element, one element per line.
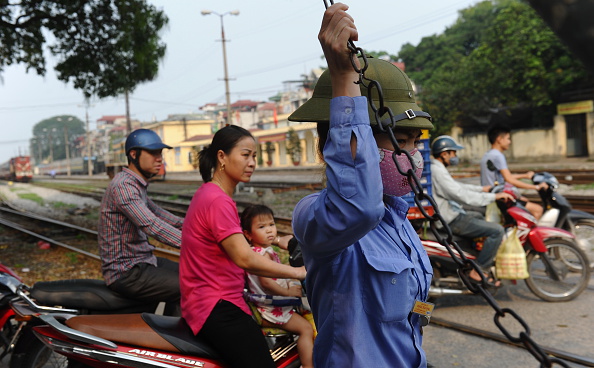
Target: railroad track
<point x="178" y="204"/>
<point x="564" y="176"/>
<point x="28" y="223"/>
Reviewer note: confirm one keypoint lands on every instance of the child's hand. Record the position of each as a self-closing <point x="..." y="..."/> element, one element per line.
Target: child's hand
<point x="283" y="241"/>
<point x="295" y="290"/>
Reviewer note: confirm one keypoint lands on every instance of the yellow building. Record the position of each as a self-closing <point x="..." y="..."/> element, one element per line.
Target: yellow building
<point x="272" y="145"/>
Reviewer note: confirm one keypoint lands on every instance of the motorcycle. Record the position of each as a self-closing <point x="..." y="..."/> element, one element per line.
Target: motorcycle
<point x="9" y="281"/>
<point x="559" y="213"/>
<point x="74" y="297"/>
<point x="558" y="268"/>
<point x="147" y="339"/>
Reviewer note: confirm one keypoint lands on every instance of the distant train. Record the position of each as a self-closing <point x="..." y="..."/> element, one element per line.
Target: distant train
<point x="78" y="166"/>
<point x="17" y="169"/>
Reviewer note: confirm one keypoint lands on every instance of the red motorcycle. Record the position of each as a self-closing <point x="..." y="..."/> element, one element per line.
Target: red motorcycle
<point x="72" y="297"/>
<point x="140" y="340"/>
<point x="559" y="269"/>
<point x="9" y="282"/>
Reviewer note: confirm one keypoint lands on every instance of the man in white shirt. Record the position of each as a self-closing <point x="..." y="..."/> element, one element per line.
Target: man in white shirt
<point x="450" y="195"/>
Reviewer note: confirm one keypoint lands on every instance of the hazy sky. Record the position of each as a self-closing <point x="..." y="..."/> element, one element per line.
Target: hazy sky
<point x="270" y="42"/>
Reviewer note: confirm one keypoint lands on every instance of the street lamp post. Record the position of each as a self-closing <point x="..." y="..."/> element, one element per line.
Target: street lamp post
<point x="223" y="40"/>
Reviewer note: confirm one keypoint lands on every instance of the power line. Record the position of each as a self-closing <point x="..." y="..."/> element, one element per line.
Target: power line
<point x="36" y="106"/>
<point x="15" y="141"/>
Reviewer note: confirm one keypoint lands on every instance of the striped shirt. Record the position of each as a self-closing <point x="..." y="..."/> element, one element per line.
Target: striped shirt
<point x="128" y="217"/>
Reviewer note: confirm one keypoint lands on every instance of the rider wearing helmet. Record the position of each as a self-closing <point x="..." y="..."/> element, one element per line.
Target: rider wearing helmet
<point x="366" y="267"/>
<point x="128" y="217"/>
<point x="450" y="195"/>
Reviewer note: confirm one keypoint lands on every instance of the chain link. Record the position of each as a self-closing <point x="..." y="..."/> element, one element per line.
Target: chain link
<point x="465" y="265"/>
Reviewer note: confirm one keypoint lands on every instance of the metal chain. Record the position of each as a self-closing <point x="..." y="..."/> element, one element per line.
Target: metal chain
<point x="465" y="265"/>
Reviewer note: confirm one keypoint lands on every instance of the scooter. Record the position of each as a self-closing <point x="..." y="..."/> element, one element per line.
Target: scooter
<point x="558" y="268"/>
<point x="559" y="213"/>
<point x="74" y="297"/>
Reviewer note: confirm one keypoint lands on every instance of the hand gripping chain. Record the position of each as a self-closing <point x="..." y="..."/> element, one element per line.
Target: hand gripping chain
<point x="465" y="265"/>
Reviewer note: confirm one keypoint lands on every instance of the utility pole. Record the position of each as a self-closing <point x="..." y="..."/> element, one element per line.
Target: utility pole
<point x="223" y="40"/>
<point x="67" y="146"/>
<point x="89" y="161"/>
<point x="128" y="121"/>
<point x="67" y="143"/>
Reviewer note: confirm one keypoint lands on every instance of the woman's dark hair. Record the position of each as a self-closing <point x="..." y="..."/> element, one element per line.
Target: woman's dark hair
<point x="323" y="129"/>
<point x="224" y="140"/>
<point x="251" y="212"/>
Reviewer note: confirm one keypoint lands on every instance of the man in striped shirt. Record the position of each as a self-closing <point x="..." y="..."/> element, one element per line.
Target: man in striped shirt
<point x="128" y="217"/>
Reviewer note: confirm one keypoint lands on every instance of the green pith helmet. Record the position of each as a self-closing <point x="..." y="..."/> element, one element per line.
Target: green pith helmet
<point x="396" y="88"/>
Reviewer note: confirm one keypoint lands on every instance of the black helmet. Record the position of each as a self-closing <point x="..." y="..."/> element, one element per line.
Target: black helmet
<point x="144" y="139"/>
<point x="396" y="88"/>
<point x="444" y="143"/>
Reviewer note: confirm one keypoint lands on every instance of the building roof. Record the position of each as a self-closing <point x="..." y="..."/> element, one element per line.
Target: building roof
<point x="244" y="103"/>
<point x="199" y="137"/>
<point x="111" y="118"/>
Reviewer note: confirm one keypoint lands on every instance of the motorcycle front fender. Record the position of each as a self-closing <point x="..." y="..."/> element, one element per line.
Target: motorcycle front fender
<point x="540" y="234"/>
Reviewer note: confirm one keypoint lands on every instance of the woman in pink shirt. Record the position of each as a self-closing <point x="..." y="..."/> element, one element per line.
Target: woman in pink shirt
<point x="215" y="255"/>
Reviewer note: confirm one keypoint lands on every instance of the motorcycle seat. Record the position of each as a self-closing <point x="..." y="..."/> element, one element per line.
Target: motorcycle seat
<point x="147" y="330"/>
<point x="466" y="244"/>
<point x="177" y="332"/>
<point x="82" y="294"/>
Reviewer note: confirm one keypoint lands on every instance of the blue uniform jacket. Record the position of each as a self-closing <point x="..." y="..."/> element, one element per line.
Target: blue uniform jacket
<point x="365" y="263"/>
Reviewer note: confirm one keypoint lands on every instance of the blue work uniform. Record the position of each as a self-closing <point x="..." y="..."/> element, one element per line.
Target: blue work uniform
<point x="365" y="263"/>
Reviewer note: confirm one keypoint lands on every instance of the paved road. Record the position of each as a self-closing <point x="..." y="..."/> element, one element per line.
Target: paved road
<point x="565" y="326"/>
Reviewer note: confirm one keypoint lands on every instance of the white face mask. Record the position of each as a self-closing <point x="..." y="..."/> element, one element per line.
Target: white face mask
<point x="396" y="184"/>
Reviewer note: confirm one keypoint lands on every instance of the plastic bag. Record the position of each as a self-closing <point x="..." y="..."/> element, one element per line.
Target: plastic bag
<point x="492" y="213"/>
<point x="510" y="262"/>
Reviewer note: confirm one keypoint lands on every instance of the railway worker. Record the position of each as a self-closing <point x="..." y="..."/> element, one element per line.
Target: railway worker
<point x="128" y="217"/>
<point x="450" y="195"/>
<point x="368" y="275"/>
<point x="494" y="170"/>
<point x="215" y="255"/>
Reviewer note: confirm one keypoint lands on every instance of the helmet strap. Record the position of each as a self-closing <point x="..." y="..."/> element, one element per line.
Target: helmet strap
<point x="136" y="162"/>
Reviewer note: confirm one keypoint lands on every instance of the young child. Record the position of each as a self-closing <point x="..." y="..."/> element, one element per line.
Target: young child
<point x="259" y="228"/>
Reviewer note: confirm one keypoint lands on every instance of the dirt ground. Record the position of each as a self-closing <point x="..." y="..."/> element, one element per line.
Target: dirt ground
<point x="32" y="264"/>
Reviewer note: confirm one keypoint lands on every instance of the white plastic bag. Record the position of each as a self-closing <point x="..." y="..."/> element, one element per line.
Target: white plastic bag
<point x="492" y="213"/>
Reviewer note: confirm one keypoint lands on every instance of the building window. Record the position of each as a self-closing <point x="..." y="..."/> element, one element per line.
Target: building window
<point x="177" y="155"/>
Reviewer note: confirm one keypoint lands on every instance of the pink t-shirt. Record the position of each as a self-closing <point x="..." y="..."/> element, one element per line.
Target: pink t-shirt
<point x="206" y="272"/>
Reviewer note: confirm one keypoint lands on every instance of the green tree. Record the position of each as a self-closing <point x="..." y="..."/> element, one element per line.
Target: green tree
<point x="105" y="47"/>
<point x="499" y="58"/>
<point x="49" y="136"/>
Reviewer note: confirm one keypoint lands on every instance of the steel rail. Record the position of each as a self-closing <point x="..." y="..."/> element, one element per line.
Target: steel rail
<point x="173" y="255"/>
<point x="18" y="227"/>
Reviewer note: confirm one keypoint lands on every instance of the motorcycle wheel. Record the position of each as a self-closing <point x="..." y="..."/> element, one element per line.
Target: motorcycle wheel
<point x="30" y="352"/>
<point x="568" y="261"/>
<point x="584" y="234"/>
